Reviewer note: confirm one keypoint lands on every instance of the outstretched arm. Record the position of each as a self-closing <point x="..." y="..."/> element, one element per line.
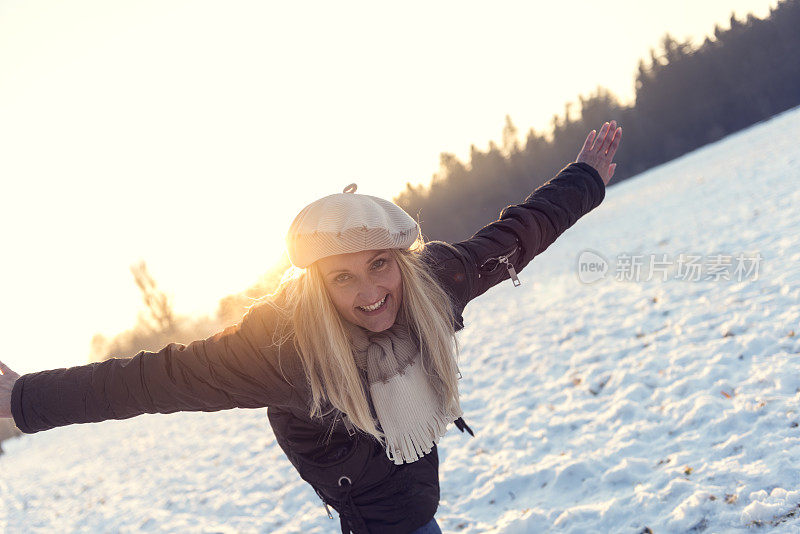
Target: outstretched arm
<point x="236" y="367"/>
<point x="503" y="248"/>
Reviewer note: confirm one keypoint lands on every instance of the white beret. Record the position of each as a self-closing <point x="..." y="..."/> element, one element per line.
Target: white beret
<point x="348" y="222"/>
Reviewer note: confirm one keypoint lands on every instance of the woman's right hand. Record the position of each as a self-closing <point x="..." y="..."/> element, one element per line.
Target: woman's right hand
<point x="7" y="379"/>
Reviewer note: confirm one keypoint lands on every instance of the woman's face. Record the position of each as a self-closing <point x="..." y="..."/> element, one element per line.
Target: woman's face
<point x="365" y="287"/>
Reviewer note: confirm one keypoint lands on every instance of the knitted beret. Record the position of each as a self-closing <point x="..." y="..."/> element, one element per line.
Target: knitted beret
<point x="346" y="222"/>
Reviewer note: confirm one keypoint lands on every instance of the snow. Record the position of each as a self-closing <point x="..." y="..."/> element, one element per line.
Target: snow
<point x="608" y="406"/>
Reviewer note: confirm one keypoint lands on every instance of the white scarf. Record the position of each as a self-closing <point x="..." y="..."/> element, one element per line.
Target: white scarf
<point x="407" y="401"/>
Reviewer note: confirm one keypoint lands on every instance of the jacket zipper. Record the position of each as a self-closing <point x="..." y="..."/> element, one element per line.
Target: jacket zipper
<point x="327" y="510"/>
<point x="348" y="425"/>
<point x="509" y="266"/>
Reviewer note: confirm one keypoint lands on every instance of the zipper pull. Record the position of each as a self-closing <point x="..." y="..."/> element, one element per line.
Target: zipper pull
<point x="511" y="271"/>
<point x="348" y="425"/>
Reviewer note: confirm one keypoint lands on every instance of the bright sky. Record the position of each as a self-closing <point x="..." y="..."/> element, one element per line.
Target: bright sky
<point x="189" y="133"/>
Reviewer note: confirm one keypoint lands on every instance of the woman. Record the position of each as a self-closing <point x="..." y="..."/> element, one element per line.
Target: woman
<point x="354" y="355"/>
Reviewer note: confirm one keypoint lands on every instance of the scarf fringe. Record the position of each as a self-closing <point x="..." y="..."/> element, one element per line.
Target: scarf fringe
<point x="411" y="415"/>
<point x="414" y="442"/>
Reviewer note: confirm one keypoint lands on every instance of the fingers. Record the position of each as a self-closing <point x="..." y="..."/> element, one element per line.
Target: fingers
<point x="614" y="144"/>
<point x="598" y="142"/>
<point x="588" y="143"/>
<point x="5" y="371"/>
<point x="609" y="134"/>
<point x="608" y="137"/>
<point x="599" y="148"/>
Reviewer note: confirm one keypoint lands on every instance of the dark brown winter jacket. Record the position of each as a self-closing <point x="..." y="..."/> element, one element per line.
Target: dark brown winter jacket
<point x="241" y="367"/>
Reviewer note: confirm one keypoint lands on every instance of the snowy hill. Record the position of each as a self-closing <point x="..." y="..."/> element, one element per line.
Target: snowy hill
<point x="598" y="407"/>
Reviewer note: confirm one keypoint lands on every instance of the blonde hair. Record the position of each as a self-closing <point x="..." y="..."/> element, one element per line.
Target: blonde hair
<point x="311" y="321"/>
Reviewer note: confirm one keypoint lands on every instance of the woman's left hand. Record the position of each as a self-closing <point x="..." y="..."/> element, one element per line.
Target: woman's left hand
<point x="598" y="151"/>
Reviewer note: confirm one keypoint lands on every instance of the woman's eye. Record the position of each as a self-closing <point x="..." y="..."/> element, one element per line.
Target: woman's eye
<point x="342" y="278"/>
<point x="379" y="263"/>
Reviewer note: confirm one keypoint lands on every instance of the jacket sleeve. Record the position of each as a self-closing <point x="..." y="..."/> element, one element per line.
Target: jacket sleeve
<point x="470" y="267"/>
<point x="236" y="367"/>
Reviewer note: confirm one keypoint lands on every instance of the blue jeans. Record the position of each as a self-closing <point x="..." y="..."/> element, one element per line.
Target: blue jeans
<point x="431" y="527"/>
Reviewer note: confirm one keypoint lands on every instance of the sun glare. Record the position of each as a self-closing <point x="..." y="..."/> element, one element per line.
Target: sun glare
<point x="188" y="135"/>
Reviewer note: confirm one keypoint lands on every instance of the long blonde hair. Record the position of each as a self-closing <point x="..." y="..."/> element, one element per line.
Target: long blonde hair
<point x="319" y="334"/>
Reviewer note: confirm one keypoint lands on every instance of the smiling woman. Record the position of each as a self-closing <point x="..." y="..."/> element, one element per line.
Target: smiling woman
<point x="354" y="355"/>
<point x="366" y="286"/>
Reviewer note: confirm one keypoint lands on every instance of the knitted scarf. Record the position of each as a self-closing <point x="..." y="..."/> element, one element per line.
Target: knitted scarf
<point x="408" y="403"/>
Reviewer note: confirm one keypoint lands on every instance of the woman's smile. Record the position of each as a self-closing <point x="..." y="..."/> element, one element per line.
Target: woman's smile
<point x="375" y="307"/>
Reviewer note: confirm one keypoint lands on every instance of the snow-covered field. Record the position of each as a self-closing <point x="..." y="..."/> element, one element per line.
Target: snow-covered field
<point x="598" y="407"/>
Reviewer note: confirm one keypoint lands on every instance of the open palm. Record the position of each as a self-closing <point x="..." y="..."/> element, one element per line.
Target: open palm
<point x="598" y="150"/>
<point x="7" y="379"/>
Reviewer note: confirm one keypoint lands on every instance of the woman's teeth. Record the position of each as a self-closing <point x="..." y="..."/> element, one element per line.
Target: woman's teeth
<point x="375" y="306"/>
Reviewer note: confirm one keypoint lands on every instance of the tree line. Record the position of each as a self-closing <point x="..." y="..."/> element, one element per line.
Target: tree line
<point x="686" y="96"/>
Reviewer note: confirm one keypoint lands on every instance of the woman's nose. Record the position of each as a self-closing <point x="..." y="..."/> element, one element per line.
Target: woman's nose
<point x="369" y="293"/>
